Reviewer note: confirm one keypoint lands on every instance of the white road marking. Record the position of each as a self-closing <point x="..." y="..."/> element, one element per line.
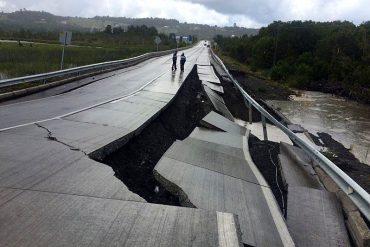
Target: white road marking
<point x="87" y="108"/>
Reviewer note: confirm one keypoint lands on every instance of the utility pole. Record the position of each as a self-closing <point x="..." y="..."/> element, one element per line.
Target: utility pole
<point x="65" y="38"/>
<point x="157" y="40"/>
<point x="64" y="46"/>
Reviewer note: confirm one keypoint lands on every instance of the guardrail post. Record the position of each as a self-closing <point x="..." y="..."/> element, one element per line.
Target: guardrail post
<point x="264" y="128"/>
<point x="249" y="106"/>
<point x="355" y="192"/>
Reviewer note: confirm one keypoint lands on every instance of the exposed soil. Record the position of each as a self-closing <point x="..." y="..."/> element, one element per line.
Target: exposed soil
<point x="235" y="101"/>
<point x="135" y="161"/>
<point x="263" y="153"/>
<point x="265" y="156"/>
<point x="316" y="140"/>
<point x="347" y="162"/>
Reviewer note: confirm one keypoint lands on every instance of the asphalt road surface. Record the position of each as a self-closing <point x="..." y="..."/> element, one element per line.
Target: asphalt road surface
<point x="116" y="85"/>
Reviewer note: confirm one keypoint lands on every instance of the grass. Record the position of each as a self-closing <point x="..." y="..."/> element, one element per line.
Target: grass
<point x="32" y="59"/>
<point x="236" y="65"/>
<point x="233" y="64"/>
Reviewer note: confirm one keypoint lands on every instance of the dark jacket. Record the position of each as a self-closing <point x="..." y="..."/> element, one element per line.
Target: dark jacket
<point x="182" y="59"/>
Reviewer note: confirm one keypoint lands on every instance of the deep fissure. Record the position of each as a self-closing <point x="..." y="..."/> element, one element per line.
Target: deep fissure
<point x="134" y="162"/>
<point x="264" y="153"/>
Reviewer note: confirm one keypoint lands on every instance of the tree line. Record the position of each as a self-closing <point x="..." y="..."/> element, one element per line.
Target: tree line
<point x="111" y="37"/>
<point x="326" y="56"/>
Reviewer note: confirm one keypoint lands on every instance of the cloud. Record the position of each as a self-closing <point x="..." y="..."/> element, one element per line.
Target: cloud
<point x="266" y="11"/>
<point x="181" y="10"/>
<point x="248" y="13"/>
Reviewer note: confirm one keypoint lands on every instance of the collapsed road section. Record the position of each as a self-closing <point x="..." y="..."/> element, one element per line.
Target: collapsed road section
<point x="135" y="161"/>
<point x="53" y="194"/>
<point x="176" y="142"/>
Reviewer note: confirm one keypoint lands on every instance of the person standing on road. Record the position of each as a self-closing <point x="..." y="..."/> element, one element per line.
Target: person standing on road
<point x="174" y="60"/>
<point x="182" y="61"/>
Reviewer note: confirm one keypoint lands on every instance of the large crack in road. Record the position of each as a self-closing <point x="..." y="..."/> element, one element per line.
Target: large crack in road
<point x="134" y="162"/>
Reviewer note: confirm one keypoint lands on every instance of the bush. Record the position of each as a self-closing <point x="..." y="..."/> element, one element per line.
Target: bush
<point x="281" y="71"/>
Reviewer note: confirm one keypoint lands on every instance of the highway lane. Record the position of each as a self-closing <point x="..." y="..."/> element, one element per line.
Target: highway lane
<point x="102" y="91"/>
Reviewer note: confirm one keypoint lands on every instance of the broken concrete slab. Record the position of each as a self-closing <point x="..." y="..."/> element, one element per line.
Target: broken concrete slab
<point x="87" y="137"/>
<point x="88" y="178"/>
<point x="296" y="174"/>
<point x="205" y="70"/>
<point x="188" y="173"/>
<point x="212" y="190"/>
<point x="219" y="141"/>
<point x="218" y="137"/>
<point x="164" y="86"/>
<point x="232" y="151"/>
<point x="7" y="194"/>
<point x="210" y="159"/>
<point x="36" y="218"/>
<point x="315" y="218"/>
<point x="135" y="108"/>
<point x="295" y="153"/>
<point x="218" y="68"/>
<point x="120" y="114"/>
<point x="39" y="159"/>
<point x="214" y="95"/>
<point x="52" y="165"/>
<point x="296" y="168"/>
<point x="142" y="99"/>
<point x="273" y="133"/>
<point x="296" y="128"/>
<point x="218" y="104"/>
<point x="214" y="87"/>
<point x="218" y="122"/>
<point x="212" y="79"/>
<point x="111" y="118"/>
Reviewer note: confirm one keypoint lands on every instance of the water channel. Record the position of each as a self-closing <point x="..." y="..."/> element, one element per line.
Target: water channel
<point x="348" y="122"/>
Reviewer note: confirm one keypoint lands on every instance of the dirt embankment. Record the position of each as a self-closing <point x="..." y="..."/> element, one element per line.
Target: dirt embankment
<point x="346" y="161"/>
<point x="265" y="156"/>
<point x="134" y="162"/>
<point x="341" y="156"/>
<point x="263" y="153"/>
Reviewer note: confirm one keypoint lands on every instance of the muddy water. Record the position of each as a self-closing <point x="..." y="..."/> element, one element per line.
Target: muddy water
<point x="346" y="121"/>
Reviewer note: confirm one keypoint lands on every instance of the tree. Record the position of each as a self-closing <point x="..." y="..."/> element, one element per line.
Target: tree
<point x="117" y="30"/>
<point x="108" y="29"/>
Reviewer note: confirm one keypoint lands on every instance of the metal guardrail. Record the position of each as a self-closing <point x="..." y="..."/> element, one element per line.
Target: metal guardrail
<point x="59" y="73"/>
<point x="354" y="191"/>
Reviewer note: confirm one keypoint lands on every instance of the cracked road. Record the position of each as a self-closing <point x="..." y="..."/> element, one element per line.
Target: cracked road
<point x="123" y="83"/>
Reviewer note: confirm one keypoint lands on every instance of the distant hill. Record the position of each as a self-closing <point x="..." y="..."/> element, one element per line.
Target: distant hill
<point x="43" y="21"/>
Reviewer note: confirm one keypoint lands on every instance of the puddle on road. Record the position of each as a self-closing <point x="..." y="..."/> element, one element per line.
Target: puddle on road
<point x="346" y="121"/>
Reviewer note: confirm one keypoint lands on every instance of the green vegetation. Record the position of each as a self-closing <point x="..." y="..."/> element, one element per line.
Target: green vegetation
<point x="330" y="154"/>
<point x="43" y="21"/>
<point x="22" y="58"/>
<point x="331" y="57"/>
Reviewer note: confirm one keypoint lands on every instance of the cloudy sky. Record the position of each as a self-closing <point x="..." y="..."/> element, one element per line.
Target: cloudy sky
<point x="247" y="13"/>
